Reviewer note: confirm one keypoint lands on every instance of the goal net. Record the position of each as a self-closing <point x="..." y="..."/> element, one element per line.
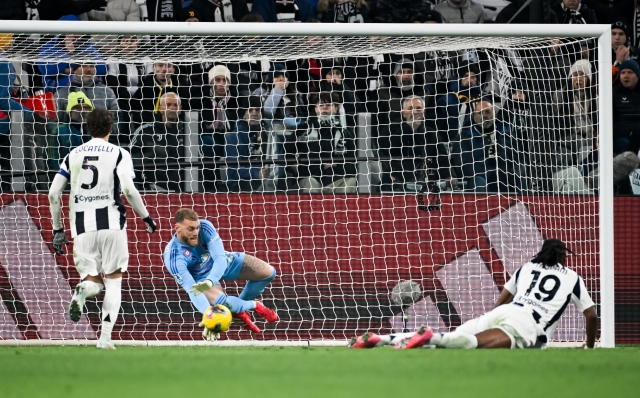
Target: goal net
<point x="394" y="176"/>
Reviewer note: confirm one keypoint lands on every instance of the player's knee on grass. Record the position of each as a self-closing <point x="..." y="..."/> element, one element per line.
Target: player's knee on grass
<point x="494" y="338"/>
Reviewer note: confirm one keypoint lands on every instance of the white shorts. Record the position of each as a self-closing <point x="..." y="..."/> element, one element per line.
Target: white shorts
<point x="517" y="322"/>
<point x="101" y="251"/>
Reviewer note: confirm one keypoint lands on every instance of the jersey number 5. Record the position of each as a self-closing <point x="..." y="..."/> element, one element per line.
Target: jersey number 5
<point x="551" y="293"/>
<point x="93" y="169"/>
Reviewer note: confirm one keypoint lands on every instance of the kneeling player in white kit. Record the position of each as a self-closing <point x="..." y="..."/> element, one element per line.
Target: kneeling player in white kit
<point x="526" y="312"/>
<point x="97" y="170"/>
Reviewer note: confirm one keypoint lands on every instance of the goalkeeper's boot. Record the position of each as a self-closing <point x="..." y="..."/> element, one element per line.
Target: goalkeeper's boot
<point x="419" y="339"/>
<point x="367" y="340"/>
<point x="246" y="318"/>
<point x="268" y="314"/>
<point x="105" y="344"/>
<point x="77" y="303"/>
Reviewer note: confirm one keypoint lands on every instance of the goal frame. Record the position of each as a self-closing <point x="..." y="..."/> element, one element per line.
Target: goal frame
<point x="601" y="33"/>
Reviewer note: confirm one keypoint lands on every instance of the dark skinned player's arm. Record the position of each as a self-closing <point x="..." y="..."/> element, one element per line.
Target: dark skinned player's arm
<point x="505" y="298"/>
<point x="591" y="325"/>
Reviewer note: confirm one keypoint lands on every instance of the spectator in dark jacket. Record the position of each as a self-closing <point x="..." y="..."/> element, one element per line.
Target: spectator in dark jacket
<point x="65" y="48"/>
<point x="146" y="101"/>
<point x="215" y="10"/>
<point x="343" y="11"/>
<point x="162" y="10"/>
<point x="424" y="157"/>
<point x="454" y="108"/>
<point x="401" y="11"/>
<point x="507" y="14"/>
<point x="621" y="48"/>
<point x="487" y="151"/>
<point x="573" y="12"/>
<point x="626" y="109"/>
<point x="322" y="146"/>
<point x="247" y="142"/>
<point x="157" y="144"/>
<point x="284" y="10"/>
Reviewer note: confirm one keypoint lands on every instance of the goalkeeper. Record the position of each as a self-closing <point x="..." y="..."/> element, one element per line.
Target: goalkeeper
<point x="196" y="257"/>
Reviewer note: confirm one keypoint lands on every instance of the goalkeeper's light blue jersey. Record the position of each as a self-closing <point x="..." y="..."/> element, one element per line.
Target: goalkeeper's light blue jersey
<point x="208" y="260"/>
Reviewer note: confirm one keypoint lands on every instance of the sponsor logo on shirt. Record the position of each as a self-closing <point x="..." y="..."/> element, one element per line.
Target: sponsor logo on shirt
<point x="82" y="198"/>
<point x="187" y="253"/>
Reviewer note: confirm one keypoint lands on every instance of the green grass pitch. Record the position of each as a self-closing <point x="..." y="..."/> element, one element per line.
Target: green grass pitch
<point x="327" y="372"/>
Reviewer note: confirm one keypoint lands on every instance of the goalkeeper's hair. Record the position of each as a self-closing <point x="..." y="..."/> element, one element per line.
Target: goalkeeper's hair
<point x="100" y="123"/>
<point x="186" y="214"/>
<point x="552" y="253"/>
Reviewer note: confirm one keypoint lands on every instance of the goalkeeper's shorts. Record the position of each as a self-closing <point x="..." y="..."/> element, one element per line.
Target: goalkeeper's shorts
<point x="517" y="322"/>
<point x="103" y="251"/>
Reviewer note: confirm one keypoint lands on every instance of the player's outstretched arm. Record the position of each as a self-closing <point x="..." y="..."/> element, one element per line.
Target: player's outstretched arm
<point x="591" y="325"/>
<point x="505" y="297"/>
<point x="55" y="193"/>
<point x="125" y="171"/>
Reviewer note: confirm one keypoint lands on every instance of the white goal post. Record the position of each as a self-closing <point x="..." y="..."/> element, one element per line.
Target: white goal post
<point x="219" y="42"/>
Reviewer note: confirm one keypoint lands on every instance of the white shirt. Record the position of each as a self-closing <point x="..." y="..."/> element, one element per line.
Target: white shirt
<point x="547" y="292"/>
<point x="94" y="170"/>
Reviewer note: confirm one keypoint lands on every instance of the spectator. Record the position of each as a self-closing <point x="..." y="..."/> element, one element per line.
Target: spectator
<point x="334" y="81"/>
<point x="323" y="145"/>
<point x="573" y="12"/>
<point x="621" y="48"/>
<point x="65" y="48"/>
<point x="146" y="101"/>
<point x="424" y="157"/>
<point x="162" y="10"/>
<point x="461" y="11"/>
<point x="67" y="136"/>
<point x="116" y="10"/>
<point x="125" y="79"/>
<point x="343" y="11"/>
<point x="220" y="112"/>
<point x="280" y="99"/>
<point x="400" y="11"/>
<point x="53" y="10"/>
<point x="247" y="143"/>
<point x="630" y="9"/>
<point x="283" y="10"/>
<point x="454" y="108"/>
<point x="577" y="115"/>
<point x="83" y="78"/>
<point x="215" y="11"/>
<point x="157" y="144"/>
<point x="507" y="14"/>
<point x="7" y="105"/>
<point x="487" y="152"/>
<point x="626" y="109"/>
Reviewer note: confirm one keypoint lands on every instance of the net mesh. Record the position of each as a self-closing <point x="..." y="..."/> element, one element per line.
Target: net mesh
<point x="350" y="164"/>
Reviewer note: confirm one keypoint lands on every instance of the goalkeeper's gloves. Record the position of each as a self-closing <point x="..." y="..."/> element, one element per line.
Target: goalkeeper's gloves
<point x="151" y="225"/>
<point x="201" y="287"/>
<point x="59" y="239"/>
<point x="209" y="334"/>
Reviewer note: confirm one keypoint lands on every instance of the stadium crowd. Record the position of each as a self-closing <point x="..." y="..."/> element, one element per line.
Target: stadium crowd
<point x="447" y="119"/>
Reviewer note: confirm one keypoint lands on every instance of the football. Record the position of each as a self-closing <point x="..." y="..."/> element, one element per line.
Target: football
<point x="217" y="318"/>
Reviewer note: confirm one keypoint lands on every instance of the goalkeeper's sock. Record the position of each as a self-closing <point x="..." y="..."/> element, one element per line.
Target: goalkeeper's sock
<point x="255" y="288"/>
<point x="235" y="304"/>
<point x="91" y="288"/>
<point x="454" y="340"/>
<point x="111" y="305"/>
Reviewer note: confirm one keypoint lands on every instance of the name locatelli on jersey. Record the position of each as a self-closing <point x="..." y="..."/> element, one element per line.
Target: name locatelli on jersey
<point x="96" y="148"/>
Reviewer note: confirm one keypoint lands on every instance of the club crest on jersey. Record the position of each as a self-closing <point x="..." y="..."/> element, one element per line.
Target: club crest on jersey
<point x="204" y="258"/>
<point x="187" y="253"/>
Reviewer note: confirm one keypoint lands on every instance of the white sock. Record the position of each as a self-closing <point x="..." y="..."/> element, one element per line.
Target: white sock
<point x="454" y="340"/>
<point x="91" y="288"/>
<point x="392" y="339"/>
<point x="110" y="305"/>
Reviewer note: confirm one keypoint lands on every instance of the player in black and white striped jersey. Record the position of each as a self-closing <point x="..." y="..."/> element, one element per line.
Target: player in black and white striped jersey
<point x="526" y="312"/>
<point x="97" y="170"/>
